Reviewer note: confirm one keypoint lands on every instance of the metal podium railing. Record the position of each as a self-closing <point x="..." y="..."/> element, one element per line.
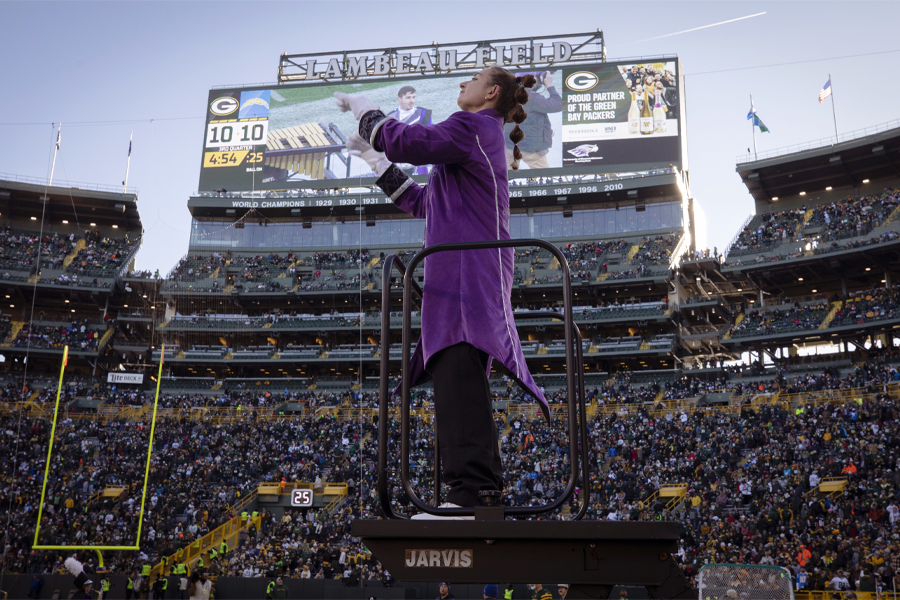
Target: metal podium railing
<point x="574" y="379"/>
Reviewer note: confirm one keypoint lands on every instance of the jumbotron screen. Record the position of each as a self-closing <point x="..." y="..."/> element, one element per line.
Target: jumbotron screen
<point x="594" y="118"/>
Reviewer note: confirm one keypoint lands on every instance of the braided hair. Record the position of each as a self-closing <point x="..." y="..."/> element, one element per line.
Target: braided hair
<point x="513" y="94"/>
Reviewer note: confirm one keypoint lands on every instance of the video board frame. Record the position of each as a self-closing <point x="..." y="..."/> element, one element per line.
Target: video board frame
<point x="275" y="151"/>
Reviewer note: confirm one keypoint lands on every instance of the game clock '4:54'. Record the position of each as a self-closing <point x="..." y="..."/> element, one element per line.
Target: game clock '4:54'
<point x="231" y="159"/>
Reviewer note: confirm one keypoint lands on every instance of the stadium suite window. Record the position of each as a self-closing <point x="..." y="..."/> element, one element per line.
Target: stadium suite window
<point x="284" y="236"/>
<point x="254" y="235"/>
<point x="603" y="221"/>
<point x="400" y="231"/>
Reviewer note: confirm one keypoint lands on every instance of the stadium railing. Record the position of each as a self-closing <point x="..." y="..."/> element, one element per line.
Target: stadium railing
<point x="191" y="552"/>
<point x="832" y="595"/>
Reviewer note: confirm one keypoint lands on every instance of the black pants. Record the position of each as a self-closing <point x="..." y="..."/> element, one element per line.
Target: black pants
<point x="467" y="435"/>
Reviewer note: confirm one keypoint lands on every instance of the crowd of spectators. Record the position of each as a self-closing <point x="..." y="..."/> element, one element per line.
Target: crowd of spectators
<point x="79" y="335"/>
<point x="339" y="260"/>
<point x="787" y="375"/>
<point x="278" y="320"/>
<point x="101" y="256"/>
<point x="871" y="305"/>
<point x="260" y="268"/>
<point x="5" y="327"/>
<point x="199" y="470"/>
<point x="750" y="475"/>
<point x="13" y="390"/>
<point x="855" y="216"/>
<point x="771" y="229"/>
<point x="847" y="219"/>
<point x="193" y="268"/>
<point x="656" y="251"/>
<point x="781" y="320"/>
<point x="858" y="308"/>
<point x="335" y="271"/>
<point x="750" y="485"/>
<point x="19" y="249"/>
<point x="639" y="271"/>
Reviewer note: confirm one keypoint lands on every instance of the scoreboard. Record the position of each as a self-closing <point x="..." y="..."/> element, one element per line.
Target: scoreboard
<point x="598" y="118"/>
<point x="236" y="131"/>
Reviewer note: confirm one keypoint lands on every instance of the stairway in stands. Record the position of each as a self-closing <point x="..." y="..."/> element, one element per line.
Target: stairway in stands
<point x="835" y="306"/>
<point x="893" y="216"/>
<point x="631" y="252"/>
<point x="737" y="322"/>
<point x="79" y="246"/>
<point x="16" y="328"/>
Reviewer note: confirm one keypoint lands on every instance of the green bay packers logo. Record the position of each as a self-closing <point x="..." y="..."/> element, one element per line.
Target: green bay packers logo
<point x="582" y="81"/>
<point x="223" y="106"/>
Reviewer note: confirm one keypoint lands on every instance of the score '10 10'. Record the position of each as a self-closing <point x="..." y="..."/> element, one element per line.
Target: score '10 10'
<point x="220" y="134"/>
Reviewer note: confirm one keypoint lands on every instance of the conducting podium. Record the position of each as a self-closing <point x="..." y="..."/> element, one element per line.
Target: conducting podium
<point x="499" y="545"/>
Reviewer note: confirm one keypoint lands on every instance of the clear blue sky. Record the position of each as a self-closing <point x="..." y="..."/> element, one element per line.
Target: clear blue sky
<point x="107" y="61"/>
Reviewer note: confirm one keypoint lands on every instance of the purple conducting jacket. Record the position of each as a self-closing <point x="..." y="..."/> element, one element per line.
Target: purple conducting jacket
<point x="466" y="293"/>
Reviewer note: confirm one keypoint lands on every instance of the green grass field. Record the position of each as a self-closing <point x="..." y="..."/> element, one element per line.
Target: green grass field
<point x="312" y="93"/>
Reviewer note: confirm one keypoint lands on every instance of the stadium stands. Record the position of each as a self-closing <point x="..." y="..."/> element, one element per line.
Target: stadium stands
<point x="732" y="509"/>
<point x="708" y="404"/>
<point x="101" y="256"/>
<point x="79" y="334"/>
<point x="18" y="249"/>
<point x="844" y="224"/>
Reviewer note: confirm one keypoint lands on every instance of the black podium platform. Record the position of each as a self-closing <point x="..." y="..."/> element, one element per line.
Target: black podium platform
<point x="592" y="556"/>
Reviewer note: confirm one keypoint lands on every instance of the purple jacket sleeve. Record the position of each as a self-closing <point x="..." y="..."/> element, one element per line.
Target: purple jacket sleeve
<point x="449" y="142"/>
<point x="405" y="193"/>
<point x="412" y="201"/>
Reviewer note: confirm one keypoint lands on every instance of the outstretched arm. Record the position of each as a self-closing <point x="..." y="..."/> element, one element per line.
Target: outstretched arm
<point x="448" y="142"/>
<point x="538" y="103"/>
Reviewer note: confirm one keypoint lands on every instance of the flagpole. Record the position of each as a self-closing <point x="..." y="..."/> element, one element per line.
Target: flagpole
<point x="833" y="113"/>
<point x="127" y="165"/>
<point x="55" y="152"/>
<point x="753" y="127"/>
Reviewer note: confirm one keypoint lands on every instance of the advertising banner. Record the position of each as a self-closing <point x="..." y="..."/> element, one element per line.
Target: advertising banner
<point x="125" y="378"/>
<point x="581" y="116"/>
<point x="621" y="114"/>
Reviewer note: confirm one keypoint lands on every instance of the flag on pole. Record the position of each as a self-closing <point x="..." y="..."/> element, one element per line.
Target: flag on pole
<point x="58" y="135"/>
<point x="129" y="147"/>
<point x="752" y="110"/>
<point x="758" y="122"/>
<point x="826" y="91"/>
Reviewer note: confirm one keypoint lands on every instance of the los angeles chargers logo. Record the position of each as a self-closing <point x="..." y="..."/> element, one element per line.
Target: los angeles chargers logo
<point x="255" y="101"/>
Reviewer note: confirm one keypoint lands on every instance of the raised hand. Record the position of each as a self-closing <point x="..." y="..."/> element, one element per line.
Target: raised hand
<point x="377" y="161"/>
<point x="360" y="105"/>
